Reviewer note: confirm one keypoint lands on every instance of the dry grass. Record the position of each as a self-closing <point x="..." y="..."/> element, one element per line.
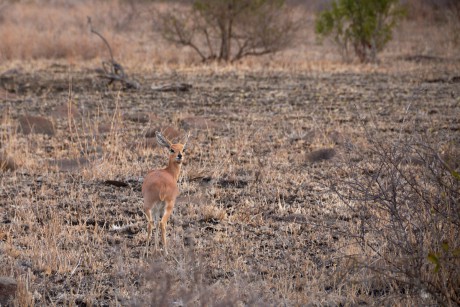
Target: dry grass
<point x="256" y="222"/>
<point x="47" y="30"/>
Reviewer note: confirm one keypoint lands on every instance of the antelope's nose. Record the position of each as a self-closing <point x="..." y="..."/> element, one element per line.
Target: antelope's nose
<point x="179" y="156"/>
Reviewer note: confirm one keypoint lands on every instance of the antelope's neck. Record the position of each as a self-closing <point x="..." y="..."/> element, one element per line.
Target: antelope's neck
<point x="174" y="169"/>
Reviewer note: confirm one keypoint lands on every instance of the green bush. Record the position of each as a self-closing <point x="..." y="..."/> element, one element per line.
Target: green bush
<point x="364" y="25"/>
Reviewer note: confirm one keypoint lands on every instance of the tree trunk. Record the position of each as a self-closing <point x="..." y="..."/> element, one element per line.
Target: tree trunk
<point x="225" y="45"/>
<point x="225" y="27"/>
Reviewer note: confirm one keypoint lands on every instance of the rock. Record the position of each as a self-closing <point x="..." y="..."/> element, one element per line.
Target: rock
<point x="197" y="122"/>
<point x="7" y="163"/>
<point x="35" y="124"/>
<point x="169" y="132"/>
<point x="65" y="110"/>
<point x="8" y="288"/>
<point x="104" y="128"/>
<point x="139" y="117"/>
<point x="321" y="155"/>
<point x="173" y="87"/>
<point x="69" y="165"/>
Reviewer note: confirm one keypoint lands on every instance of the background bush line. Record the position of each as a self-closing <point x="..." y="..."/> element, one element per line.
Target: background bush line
<point x="137" y="30"/>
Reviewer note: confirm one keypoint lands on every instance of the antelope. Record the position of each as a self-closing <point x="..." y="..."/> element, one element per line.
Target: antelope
<point x="160" y="190"/>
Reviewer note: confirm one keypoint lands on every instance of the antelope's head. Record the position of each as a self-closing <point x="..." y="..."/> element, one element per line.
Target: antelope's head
<point x="176" y="151"/>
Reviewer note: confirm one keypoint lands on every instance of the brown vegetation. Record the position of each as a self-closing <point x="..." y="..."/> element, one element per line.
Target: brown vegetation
<point x="286" y="193"/>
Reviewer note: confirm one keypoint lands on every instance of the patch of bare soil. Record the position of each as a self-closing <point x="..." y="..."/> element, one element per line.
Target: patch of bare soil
<point x="256" y="222"/>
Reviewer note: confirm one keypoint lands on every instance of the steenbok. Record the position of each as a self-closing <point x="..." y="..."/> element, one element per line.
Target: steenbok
<point x="160" y="190"/>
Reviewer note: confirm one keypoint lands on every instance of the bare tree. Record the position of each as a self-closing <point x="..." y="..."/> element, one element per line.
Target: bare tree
<point x="228" y="30"/>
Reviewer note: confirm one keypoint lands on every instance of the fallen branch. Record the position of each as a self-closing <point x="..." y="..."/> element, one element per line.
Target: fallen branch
<point x="116" y="183"/>
<point x="173" y="87"/>
<point x="76" y="267"/>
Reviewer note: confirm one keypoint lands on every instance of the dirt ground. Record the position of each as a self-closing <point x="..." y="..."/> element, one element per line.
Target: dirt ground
<point x="256" y="222"/>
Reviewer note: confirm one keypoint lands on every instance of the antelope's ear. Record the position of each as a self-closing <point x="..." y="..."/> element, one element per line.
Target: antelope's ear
<point x="161" y="140"/>
<point x="186" y="141"/>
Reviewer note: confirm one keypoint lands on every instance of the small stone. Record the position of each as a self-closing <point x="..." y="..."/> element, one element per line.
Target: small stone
<point x="8" y="288"/>
<point x="321" y="155"/>
<point x="138" y="117"/>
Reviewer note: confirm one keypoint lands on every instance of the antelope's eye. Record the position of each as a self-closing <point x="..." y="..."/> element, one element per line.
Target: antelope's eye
<point x="172" y="150"/>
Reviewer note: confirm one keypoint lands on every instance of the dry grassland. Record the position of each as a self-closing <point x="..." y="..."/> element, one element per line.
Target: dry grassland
<point x="256" y="222"/>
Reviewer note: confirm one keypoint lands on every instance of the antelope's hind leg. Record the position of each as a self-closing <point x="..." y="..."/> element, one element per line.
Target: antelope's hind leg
<point x="150" y="224"/>
<point x="157" y="211"/>
<point x="164" y="220"/>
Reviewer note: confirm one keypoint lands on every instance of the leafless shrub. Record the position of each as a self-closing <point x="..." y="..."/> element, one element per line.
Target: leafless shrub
<point x="407" y="229"/>
<point x="229" y="30"/>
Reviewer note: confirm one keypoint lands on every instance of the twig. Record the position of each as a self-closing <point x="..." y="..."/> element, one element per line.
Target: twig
<point x="174" y="258"/>
<point x="76" y="267"/>
<point x="101" y="37"/>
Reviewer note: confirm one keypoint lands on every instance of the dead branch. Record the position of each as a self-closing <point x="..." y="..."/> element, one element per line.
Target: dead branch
<point x="174" y="87"/>
<point x="128" y="83"/>
<point x="113" y="70"/>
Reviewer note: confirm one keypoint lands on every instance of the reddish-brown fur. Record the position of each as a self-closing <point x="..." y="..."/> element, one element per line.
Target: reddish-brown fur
<point x="160" y="190"/>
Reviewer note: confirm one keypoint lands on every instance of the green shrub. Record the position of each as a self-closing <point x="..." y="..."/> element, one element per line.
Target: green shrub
<point x="364" y="25"/>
